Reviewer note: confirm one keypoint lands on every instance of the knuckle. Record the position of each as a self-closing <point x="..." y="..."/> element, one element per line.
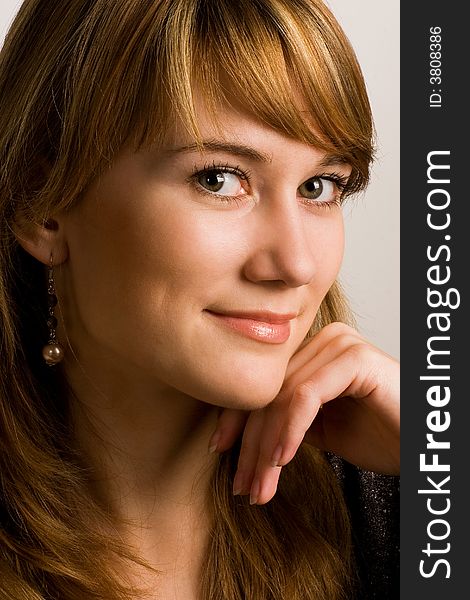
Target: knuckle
<point x="361" y="351"/>
<point x="339" y="328"/>
<point x="343" y="341"/>
<point x="304" y="392"/>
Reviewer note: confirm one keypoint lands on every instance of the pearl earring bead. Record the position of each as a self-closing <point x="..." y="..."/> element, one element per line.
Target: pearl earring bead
<point x="52" y="354"/>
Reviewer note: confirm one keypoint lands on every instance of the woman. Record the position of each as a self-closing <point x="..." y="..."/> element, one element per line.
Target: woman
<point x="172" y="179"/>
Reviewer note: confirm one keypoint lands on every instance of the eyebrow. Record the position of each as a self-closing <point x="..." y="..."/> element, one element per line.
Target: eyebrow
<point x="333" y="160"/>
<point x="218" y="146"/>
<point x="329" y="160"/>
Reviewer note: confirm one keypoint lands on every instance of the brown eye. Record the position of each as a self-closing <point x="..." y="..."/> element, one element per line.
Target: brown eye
<point x="220" y="182"/>
<point x="312" y="188"/>
<point x="318" y="188"/>
<point x="212" y="180"/>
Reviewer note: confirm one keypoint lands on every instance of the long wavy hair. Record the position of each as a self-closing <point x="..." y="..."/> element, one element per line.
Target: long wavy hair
<point x="79" y="80"/>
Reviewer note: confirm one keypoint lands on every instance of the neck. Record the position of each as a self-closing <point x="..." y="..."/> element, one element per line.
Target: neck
<point x="146" y="447"/>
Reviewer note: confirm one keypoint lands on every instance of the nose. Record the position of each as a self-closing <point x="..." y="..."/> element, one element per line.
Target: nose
<point x="282" y="249"/>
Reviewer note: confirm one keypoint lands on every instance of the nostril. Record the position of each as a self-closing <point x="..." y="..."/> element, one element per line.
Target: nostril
<point x="290" y="269"/>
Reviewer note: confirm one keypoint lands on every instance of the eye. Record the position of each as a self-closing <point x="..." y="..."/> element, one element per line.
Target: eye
<point x="220" y="182"/>
<point x="318" y="188"/>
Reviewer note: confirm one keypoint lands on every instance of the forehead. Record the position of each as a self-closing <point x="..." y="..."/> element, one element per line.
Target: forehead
<point x="233" y="129"/>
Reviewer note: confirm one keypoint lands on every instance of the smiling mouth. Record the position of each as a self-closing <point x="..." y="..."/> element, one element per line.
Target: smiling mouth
<point x="263" y="326"/>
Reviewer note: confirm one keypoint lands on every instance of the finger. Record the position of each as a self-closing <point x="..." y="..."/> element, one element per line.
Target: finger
<point x="266" y="474"/>
<point x="340" y="377"/>
<point x="230" y="424"/>
<point x="325" y="354"/>
<point x="248" y="453"/>
<point x="317" y="343"/>
<point x="276" y="415"/>
<point x="297" y="410"/>
<point x="264" y="484"/>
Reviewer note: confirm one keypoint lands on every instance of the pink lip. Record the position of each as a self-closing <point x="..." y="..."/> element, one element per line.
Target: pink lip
<point x="264" y="326"/>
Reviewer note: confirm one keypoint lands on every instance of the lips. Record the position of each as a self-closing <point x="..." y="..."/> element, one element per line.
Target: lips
<point x="263" y="326"/>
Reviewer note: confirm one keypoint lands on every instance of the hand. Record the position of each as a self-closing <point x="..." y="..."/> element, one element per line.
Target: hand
<point x="340" y="394"/>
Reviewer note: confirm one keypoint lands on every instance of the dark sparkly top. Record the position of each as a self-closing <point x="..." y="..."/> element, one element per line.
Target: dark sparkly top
<point x="374" y="506"/>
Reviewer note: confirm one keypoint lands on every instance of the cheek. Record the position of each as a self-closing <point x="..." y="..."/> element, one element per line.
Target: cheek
<point x="337" y="249"/>
<point x="138" y="257"/>
<point x="327" y="247"/>
<point x="191" y="249"/>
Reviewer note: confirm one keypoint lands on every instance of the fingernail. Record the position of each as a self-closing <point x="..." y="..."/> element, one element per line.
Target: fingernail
<point x="214" y="441"/>
<point x="276" y="456"/>
<point x="238" y="484"/>
<point x="254" y="493"/>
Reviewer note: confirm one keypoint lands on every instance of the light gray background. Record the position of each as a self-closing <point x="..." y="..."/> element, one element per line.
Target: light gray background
<point x="370" y="272"/>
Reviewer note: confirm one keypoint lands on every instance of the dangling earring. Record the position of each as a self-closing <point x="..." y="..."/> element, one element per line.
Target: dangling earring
<point x="52" y="352"/>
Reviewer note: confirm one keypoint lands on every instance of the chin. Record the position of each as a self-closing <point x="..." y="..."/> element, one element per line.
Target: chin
<point x="246" y="378"/>
<point x="242" y="392"/>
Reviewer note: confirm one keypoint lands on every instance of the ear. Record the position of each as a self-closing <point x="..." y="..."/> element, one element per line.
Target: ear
<point x="42" y="241"/>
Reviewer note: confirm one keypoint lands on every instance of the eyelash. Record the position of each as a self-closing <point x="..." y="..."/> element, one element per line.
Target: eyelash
<point x="340" y="181"/>
<point x="244" y="174"/>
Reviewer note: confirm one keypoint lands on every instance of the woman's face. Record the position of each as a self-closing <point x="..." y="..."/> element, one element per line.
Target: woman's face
<point x="203" y="272"/>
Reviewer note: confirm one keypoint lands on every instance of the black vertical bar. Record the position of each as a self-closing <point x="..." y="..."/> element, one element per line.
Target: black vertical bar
<point x="434" y="129"/>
